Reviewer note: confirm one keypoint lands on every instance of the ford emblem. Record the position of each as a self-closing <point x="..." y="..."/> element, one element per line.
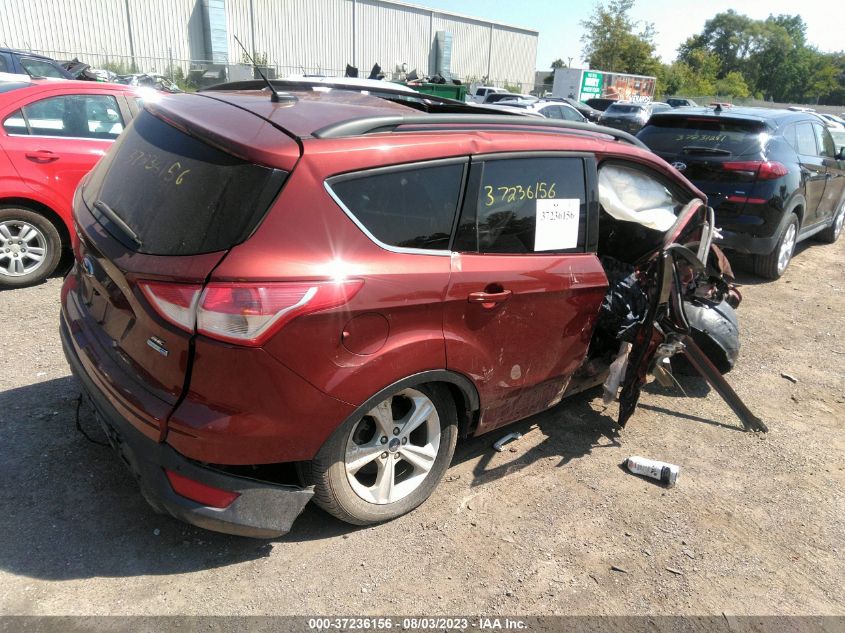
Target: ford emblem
<point x="679" y="166"/>
<point x="88" y="266"/>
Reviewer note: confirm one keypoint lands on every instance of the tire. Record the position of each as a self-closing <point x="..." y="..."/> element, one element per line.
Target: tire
<point x="30" y="247"/>
<point x="773" y="265"/>
<point x="832" y="233"/>
<point x="351" y="491"/>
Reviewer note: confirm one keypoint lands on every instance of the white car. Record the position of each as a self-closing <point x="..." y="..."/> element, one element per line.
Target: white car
<point x="548" y="109"/>
<point x="832" y="121"/>
<point x="480" y="93"/>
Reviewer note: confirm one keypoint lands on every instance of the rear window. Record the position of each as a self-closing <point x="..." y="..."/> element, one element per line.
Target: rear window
<point x="408" y="207"/>
<point x="178" y="195"/>
<point x="623" y="109"/>
<point x="692" y="135"/>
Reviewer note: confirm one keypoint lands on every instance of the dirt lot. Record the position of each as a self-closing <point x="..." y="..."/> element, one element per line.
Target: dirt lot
<point x="756" y="524"/>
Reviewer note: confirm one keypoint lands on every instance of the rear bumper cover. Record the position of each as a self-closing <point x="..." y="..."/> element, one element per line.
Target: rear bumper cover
<point x="744" y="243"/>
<point x="262" y="510"/>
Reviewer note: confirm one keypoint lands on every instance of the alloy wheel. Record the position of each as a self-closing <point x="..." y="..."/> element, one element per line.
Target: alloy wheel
<point x="23" y="248"/>
<point x="787" y="245"/>
<point x="392" y="449"/>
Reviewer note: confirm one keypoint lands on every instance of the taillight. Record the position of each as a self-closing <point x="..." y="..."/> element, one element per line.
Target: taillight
<point x="244" y="313"/>
<point x="176" y="303"/>
<point x="248" y="314"/>
<point x="764" y="170"/>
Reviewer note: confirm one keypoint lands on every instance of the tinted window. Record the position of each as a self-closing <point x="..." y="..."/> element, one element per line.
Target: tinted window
<point x="824" y="140"/>
<point x="179" y="195"/>
<point x="520" y="199"/>
<point x="4" y="66"/>
<point x="411" y="207"/>
<point x="551" y="112"/>
<point x="38" y="68"/>
<point x="624" y="109"/>
<point x="79" y="116"/>
<point x="805" y="139"/>
<point x="14" y="123"/>
<point x="701" y="135"/>
<point x="571" y="114"/>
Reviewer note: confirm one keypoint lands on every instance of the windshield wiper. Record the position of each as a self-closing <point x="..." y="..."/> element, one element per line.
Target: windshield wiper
<point x="694" y="149"/>
<point x="107" y="211"/>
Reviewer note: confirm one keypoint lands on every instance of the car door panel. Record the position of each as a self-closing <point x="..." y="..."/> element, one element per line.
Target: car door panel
<point x="835" y="175"/>
<point x="813" y="171"/>
<point x="49" y="160"/>
<point x="516" y="321"/>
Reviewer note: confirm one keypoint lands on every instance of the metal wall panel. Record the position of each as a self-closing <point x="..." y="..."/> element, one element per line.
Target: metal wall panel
<point x="388" y="35"/>
<point x="75" y="27"/>
<point x="296" y="35"/>
<point x="470" y="45"/>
<point x="513" y="58"/>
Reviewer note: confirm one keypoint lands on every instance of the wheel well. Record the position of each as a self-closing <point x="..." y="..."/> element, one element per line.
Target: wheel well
<point x="43" y="209"/>
<point x="798" y="210"/>
<point x="467" y="417"/>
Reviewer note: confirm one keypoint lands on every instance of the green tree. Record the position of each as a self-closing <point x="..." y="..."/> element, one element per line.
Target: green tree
<point x="614" y="42"/>
<point x="733" y="85"/>
<point x="558" y="63"/>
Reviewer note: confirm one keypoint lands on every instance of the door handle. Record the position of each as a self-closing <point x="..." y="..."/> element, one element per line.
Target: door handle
<point x="491" y="298"/>
<point x="42" y="156"/>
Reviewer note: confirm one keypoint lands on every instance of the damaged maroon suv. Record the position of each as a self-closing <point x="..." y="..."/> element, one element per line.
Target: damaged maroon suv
<point x="315" y="296"/>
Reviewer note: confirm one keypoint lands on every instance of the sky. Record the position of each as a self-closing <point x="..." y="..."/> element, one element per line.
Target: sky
<point x="559" y="22"/>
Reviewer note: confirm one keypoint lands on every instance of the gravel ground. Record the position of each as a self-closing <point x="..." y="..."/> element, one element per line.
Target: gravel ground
<point x="754" y="526"/>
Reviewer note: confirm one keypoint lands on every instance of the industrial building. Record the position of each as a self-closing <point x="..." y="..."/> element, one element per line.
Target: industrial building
<point x="289" y="36"/>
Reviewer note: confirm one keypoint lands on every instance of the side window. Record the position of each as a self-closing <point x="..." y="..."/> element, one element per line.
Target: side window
<point x="14" y="124"/>
<point x="4" y="65"/>
<point x="805" y="139"/>
<point x="38" y="68"/>
<point x="789" y="135"/>
<point x="824" y="141"/>
<point x="570" y="114"/>
<point x="407" y="207"/>
<point x="551" y="112"/>
<point x="78" y="116"/>
<point x="525" y="205"/>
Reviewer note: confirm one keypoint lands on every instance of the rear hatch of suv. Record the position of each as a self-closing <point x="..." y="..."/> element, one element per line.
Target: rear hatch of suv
<point x="723" y="156"/>
<point x="153" y="219"/>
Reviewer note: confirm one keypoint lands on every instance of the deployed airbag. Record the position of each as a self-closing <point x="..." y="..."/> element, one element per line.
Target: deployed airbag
<point x="633" y="196"/>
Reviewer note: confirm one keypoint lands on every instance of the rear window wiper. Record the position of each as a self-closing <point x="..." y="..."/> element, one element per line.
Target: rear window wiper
<point x="107" y="211"/>
<point x="696" y="149"/>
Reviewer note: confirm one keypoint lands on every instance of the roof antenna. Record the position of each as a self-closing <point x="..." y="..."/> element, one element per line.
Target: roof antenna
<point x="274" y="96"/>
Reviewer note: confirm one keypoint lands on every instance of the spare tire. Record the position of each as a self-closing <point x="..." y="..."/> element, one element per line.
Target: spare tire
<point x="715" y="330"/>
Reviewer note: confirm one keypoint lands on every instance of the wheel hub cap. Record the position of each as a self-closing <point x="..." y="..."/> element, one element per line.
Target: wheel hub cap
<point x="23" y="248"/>
<point x="394" y="445"/>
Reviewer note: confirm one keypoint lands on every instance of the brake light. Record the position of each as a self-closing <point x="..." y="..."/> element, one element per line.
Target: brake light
<point x="764" y="170"/>
<point x="176" y="303"/>
<point x="248" y="314"/>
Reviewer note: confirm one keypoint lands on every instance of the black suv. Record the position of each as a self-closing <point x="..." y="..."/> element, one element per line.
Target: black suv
<point x="32" y="64"/>
<point x="774" y="177"/>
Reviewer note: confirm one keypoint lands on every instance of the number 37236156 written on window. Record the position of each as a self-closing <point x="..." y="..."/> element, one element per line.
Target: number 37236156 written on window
<point x="516" y="193"/>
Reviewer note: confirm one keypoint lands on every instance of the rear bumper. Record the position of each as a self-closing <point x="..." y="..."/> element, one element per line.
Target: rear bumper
<point x="261" y="510"/>
<point x="745" y="243"/>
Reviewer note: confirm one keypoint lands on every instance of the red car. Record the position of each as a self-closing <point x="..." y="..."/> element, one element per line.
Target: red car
<point x="52" y="134"/>
<point x="315" y="296"/>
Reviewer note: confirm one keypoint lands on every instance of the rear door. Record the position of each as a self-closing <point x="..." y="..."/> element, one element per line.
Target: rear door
<point x="526" y="284"/>
<point x="835" y="174"/>
<point x="54" y="141"/>
<point x="813" y="169"/>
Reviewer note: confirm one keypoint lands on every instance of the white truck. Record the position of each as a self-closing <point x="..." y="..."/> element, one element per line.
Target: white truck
<point x="478" y="93"/>
<point x="580" y="84"/>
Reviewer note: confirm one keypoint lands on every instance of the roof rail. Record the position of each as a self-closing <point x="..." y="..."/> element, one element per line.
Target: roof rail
<point x="394" y="90"/>
<point x="390" y="123"/>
